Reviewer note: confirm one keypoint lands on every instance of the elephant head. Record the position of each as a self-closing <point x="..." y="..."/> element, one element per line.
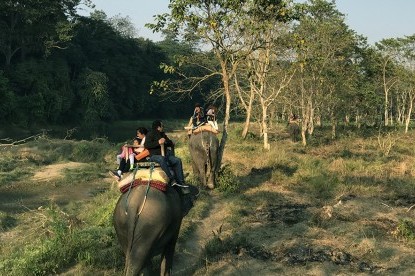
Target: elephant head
<point x="147" y="222"/>
<point x="203" y="147"/>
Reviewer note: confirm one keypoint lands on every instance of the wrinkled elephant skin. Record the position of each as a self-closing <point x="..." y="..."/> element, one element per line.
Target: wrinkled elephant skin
<point x="203" y="149"/>
<point x="154" y="231"/>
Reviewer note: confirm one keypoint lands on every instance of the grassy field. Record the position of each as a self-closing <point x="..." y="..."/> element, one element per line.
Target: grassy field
<point x="335" y="207"/>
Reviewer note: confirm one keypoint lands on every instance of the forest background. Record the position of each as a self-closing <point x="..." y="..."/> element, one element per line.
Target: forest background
<point x="340" y="201"/>
<point x="60" y="68"/>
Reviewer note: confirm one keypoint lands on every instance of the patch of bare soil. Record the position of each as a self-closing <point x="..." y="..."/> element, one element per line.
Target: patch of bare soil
<point x="189" y="254"/>
<point x="46" y="186"/>
<point x="290" y="235"/>
<point x="54" y="171"/>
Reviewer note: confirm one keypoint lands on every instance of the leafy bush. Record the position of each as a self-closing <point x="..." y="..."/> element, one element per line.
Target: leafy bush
<point x="227" y="181"/>
<point x="7" y="221"/>
<point x="89" y="151"/>
<point x="63" y="243"/>
<point x="405" y="230"/>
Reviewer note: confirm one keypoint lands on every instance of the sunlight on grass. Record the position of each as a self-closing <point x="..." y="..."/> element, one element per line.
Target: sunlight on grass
<point x="269" y="200"/>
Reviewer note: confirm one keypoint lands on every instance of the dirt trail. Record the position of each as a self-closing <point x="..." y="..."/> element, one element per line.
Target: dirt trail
<point x="190" y="255"/>
<point x="54" y="171"/>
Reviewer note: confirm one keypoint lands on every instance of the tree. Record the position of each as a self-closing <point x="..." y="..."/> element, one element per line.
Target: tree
<point x="33" y="26"/>
<point x="324" y="55"/>
<point x="217" y="25"/>
<point x="389" y="49"/>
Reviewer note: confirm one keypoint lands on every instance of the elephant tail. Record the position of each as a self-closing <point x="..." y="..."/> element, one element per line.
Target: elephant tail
<point x="132" y="217"/>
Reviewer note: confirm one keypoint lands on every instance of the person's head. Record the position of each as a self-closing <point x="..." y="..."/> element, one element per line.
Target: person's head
<point x="141" y="132"/>
<point x="211" y="110"/>
<point x="198" y="107"/>
<point x="136" y="142"/>
<point x="157" y="125"/>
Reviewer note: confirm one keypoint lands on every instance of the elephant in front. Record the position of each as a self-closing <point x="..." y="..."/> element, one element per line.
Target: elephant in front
<point x="203" y="147"/>
<point x="148" y="227"/>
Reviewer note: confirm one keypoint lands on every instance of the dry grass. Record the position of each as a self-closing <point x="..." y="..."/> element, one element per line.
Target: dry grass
<point x="333" y="209"/>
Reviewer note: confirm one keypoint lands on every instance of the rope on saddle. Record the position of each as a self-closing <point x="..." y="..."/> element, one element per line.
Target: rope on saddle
<point x="147" y="189"/>
<point x="131" y="185"/>
<point x="207" y="148"/>
<point x="130" y="188"/>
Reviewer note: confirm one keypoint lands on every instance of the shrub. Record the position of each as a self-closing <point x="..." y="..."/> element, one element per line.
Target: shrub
<point x="89" y="151"/>
<point x="226" y="181"/>
<point x="405" y="230"/>
<point x="7" y="221"/>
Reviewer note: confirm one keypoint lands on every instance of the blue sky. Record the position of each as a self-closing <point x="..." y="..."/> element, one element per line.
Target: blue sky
<point x="374" y="19"/>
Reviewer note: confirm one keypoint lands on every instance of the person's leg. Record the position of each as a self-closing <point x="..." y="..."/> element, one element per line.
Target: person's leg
<point x="119" y="157"/>
<point x="176" y="164"/>
<point x="163" y="164"/>
<point x="131" y="157"/>
<point x="120" y="169"/>
<point x="124" y="166"/>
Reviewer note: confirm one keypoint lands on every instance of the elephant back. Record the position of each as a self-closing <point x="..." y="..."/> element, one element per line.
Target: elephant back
<point x="203" y="149"/>
<point x="148" y="214"/>
<point x="155" y="177"/>
<point x="204" y="128"/>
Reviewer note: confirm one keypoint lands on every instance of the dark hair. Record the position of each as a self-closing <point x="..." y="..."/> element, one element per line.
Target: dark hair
<point x="156" y="124"/>
<point x="142" y="130"/>
<point x="198" y="105"/>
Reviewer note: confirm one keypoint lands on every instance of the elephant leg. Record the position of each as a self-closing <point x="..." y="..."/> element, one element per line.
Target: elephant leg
<point x="198" y="165"/>
<point x="137" y="258"/>
<point x="211" y="170"/>
<point x="167" y="258"/>
<point x="211" y="179"/>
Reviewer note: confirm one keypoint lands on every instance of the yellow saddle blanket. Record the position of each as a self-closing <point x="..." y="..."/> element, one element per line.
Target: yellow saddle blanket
<point x="204" y="128"/>
<point x="157" y="175"/>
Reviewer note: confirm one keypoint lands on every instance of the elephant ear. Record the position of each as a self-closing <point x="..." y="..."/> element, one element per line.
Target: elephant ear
<point x="188" y="199"/>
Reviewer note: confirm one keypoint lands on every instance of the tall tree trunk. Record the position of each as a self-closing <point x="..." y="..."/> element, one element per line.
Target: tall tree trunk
<point x="248" y="107"/>
<point x="304" y="113"/>
<point x="410" y="107"/>
<point x="310" y="127"/>
<point x="248" y="114"/>
<point x="264" y="125"/>
<point x="333" y="126"/>
<point x="225" y="80"/>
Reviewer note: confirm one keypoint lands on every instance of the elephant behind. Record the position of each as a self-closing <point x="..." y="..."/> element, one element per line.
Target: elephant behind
<point x="203" y="147"/>
<point x="152" y="232"/>
<point x="294" y="130"/>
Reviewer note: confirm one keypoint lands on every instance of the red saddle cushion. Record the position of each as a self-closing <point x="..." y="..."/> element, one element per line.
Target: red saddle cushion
<point x="159" y="185"/>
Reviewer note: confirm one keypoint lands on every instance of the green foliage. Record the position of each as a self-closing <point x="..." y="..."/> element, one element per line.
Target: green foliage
<point x="7" y="221"/>
<point x="89" y="151"/>
<point x="65" y="242"/>
<point x="405" y="229"/>
<point x="7" y="97"/>
<point x="227" y="182"/>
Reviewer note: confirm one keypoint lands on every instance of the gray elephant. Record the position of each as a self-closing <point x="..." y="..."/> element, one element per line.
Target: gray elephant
<point x="203" y="148"/>
<point x="149" y="229"/>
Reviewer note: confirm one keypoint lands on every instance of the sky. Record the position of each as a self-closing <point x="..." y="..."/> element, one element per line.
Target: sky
<point x="374" y="19"/>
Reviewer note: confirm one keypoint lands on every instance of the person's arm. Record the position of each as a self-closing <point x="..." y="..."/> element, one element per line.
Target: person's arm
<point x="151" y="141"/>
<point x="142" y="142"/>
<point x="168" y="142"/>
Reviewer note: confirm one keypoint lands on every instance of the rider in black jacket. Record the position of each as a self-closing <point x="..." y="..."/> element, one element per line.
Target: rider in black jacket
<point x="155" y="140"/>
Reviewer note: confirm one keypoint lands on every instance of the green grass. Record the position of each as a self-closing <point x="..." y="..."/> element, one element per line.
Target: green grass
<point x="59" y="237"/>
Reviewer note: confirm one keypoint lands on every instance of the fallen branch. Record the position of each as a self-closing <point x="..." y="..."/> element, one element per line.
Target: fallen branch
<point x="14" y="143"/>
<point x="409" y="209"/>
<point x="386" y="205"/>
